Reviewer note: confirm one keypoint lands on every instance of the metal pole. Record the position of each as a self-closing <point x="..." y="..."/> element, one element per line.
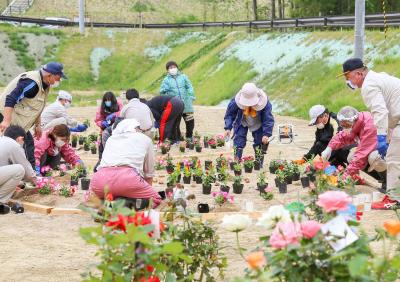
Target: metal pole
<point x="359" y="29"/>
<point x="82" y="16"/>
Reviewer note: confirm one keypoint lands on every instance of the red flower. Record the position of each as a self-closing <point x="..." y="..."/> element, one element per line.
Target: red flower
<point x="359" y="215"/>
<point x="358" y="180"/>
<point x="118" y="224"/>
<point x="109" y="197"/>
<point x="320" y="165"/>
<point x="281" y="167"/>
<point x="149" y="268"/>
<point x="151" y="278"/>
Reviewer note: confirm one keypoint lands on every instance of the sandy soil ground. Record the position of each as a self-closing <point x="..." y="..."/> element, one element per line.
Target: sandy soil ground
<point x="48" y="248"/>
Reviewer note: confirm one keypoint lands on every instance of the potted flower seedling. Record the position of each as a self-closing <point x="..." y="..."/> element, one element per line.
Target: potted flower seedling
<point x="63" y="169"/>
<point x="259" y="159"/>
<point x="280" y="181"/>
<point x="237" y="169"/>
<point x="92" y="137"/>
<point x="169" y="164"/>
<point x="165" y="147"/>
<point x="289" y="174"/>
<point x="46" y="171"/>
<point x="74" y="141"/>
<point x="295" y="168"/>
<point x="172" y="180"/>
<point x="190" y="144"/>
<point x="182" y="146"/>
<point x="45" y="186"/>
<point x="274" y="165"/>
<point x="237" y="185"/>
<point x="221" y="198"/>
<point x="75" y="178"/>
<point x="224" y="187"/>
<point x="160" y="164"/>
<point x="267" y="194"/>
<point x="207" y="164"/>
<point x="205" y="141"/>
<point x="305" y="181"/>
<point x="248" y="163"/>
<point x="223" y="174"/>
<point x="261" y="183"/>
<point x="220" y="161"/>
<point x="86" y="145"/>
<point x="212" y="173"/>
<point x="85" y="183"/>
<point x="93" y="148"/>
<point x="198" y="147"/>
<point x="194" y="162"/>
<point x="220" y="140"/>
<point x="198" y="173"/>
<point x="207" y="181"/>
<point x="212" y="143"/>
<point x="187" y="175"/>
<point x="81" y="140"/>
<point x="66" y="191"/>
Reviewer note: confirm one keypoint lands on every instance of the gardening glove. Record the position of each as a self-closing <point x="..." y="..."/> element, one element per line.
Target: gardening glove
<point x="37" y="170"/>
<point x="382" y="145"/>
<point x="110" y="118"/>
<point x="299" y="162"/>
<point x="79" y="128"/>
<point x="104" y="124"/>
<point x="326" y="154"/>
<point x="156" y="124"/>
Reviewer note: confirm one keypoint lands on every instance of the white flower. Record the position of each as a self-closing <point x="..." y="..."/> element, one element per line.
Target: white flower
<point x="236" y="223"/>
<point x="275" y="214"/>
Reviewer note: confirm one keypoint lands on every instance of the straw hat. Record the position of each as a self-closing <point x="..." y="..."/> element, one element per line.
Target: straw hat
<point x="251" y="96"/>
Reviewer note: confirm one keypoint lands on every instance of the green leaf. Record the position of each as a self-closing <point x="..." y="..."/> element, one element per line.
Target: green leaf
<point x="173" y="248"/>
<point x="358" y="266"/>
<point x="170" y="278"/>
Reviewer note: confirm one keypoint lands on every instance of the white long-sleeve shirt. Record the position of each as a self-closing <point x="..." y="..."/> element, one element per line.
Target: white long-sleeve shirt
<point x="139" y="111"/>
<point x="381" y="94"/>
<point x="54" y="111"/>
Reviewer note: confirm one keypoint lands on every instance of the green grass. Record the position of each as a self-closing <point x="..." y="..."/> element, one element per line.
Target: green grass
<point x="19" y="45"/>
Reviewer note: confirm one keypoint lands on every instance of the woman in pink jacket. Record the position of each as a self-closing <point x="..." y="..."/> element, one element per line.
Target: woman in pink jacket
<point x="54" y="145"/>
<point x="110" y="109"/>
<point x="358" y="127"/>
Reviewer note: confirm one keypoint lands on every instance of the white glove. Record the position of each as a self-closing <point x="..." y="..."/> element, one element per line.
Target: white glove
<point x="326" y="154"/>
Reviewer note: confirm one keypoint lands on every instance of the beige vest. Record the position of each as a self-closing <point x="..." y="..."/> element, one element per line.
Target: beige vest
<point x="27" y="110"/>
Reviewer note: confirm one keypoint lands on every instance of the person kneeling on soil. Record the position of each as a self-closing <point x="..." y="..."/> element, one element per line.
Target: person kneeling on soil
<point x="249" y="110"/>
<point x="56" y="113"/>
<point x="14" y="167"/>
<point x="321" y="118"/>
<point x="54" y="145"/>
<point x="126" y="173"/>
<point x="358" y="127"/>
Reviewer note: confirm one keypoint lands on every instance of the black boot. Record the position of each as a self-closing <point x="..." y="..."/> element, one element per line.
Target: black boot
<point x="382" y="179"/>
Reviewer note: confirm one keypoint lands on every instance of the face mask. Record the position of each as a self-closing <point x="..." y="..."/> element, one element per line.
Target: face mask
<point x="59" y="143"/>
<point x="173" y="71"/>
<point x="55" y="84"/>
<point x="320" y="125"/>
<point x="67" y="105"/>
<point x="351" y="85"/>
<point x="108" y="104"/>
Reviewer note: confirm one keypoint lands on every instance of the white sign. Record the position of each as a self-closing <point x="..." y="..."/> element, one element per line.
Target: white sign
<point x="338" y="234"/>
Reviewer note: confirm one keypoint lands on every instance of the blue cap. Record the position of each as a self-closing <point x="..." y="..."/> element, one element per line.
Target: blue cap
<point x="55" y="68"/>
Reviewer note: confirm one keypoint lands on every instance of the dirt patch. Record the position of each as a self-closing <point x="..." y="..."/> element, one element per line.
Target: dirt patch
<point x="38" y="45"/>
<point x="9" y="67"/>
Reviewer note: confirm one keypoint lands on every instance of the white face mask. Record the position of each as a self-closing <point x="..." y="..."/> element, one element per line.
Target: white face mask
<point x="55" y="84"/>
<point x="351" y="85"/>
<point x="320" y="125"/>
<point x="173" y="71"/>
<point x="67" y="105"/>
<point x="59" y="143"/>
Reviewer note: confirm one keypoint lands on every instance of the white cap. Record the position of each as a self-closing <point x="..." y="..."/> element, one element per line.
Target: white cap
<point x="64" y="95"/>
<point x="315" y="112"/>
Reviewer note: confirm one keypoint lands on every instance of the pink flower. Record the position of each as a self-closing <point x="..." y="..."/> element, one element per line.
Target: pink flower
<point x="310" y="228"/>
<point x="333" y="201"/>
<point x="63" y="167"/>
<point x="268" y="190"/>
<point x="285" y="234"/>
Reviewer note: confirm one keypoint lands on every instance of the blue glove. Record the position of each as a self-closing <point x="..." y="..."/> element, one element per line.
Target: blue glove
<point x="382" y="145"/>
<point x="79" y="128"/>
<point x="37" y="169"/>
<point x="110" y="117"/>
<point x="104" y="124"/>
<point x="156" y="124"/>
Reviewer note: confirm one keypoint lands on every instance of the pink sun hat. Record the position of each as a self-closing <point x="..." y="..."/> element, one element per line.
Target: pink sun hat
<point x="251" y="96"/>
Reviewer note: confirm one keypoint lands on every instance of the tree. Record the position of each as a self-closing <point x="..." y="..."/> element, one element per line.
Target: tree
<point x="255" y="9"/>
<point x="272" y="9"/>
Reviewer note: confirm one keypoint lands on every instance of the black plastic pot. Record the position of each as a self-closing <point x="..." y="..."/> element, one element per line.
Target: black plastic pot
<point x="289" y="179"/>
<point x="94" y="151"/>
<point x="305" y="181"/>
<point x="203" y="208"/>
<point x="237" y="188"/>
<point x="198" y="149"/>
<point x="206" y="189"/>
<point x="170" y="169"/>
<point x="182" y="149"/>
<point x="81" y="140"/>
<point x="162" y="194"/>
<point x="187" y="145"/>
<point x="272" y="169"/>
<point x="248" y="169"/>
<point x="207" y="164"/>
<point x="74" y="143"/>
<point x="85" y="183"/>
<point x="73" y="182"/>
<point x="237" y="172"/>
<point x="296" y="177"/>
<point x="261" y="188"/>
<point x="191" y="146"/>
<point x="179" y="178"/>
<point x="257" y="165"/>
<point x="186" y="180"/>
<point x="164" y="151"/>
<point x="213" y="146"/>
<point x="86" y="147"/>
<point x="224" y="188"/>
<point x="312" y="178"/>
<point x="199" y="180"/>
<point x="282" y="186"/>
<point x="205" y="143"/>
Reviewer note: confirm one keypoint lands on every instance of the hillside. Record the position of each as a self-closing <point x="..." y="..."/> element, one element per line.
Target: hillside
<point x="297" y="69"/>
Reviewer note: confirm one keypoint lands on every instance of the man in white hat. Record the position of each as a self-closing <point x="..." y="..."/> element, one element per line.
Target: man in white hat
<point x="56" y="114"/>
<point x="251" y="111"/>
<point x="381" y="94"/>
<point x="320" y="117"/>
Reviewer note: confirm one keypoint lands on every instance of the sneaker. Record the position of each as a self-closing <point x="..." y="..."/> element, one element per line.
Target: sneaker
<point x="385" y="204"/>
<point x="4" y="209"/>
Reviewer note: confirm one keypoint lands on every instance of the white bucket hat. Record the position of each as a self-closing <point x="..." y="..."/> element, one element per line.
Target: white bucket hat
<point x="314" y="113"/>
<point x="251" y="96"/>
<point x="62" y="94"/>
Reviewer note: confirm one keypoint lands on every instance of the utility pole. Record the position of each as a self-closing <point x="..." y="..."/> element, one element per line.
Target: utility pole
<point x="359" y="29"/>
<point x="82" y="16"/>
